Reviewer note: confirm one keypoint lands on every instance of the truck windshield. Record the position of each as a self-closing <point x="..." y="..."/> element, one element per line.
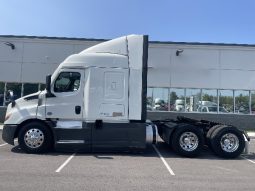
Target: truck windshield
<point x="67" y="82"/>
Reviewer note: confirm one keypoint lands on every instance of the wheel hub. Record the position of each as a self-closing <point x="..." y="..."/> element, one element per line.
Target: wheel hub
<point x="188" y="141"/>
<point x="229" y="142"/>
<point x="34" y="138"/>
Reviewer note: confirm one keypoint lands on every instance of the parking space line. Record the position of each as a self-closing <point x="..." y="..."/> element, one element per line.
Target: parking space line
<point x="6" y="143"/>
<point x="65" y="163"/>
<point x="3" y="144"/>
<point x="164" y="161"/>
<point x="225" y="169"/>
<point x="248" y="159"/>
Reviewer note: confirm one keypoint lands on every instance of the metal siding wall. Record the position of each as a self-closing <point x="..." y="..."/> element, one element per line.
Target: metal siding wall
<point x="159" y="60"/>
<point x="213" y="67"/>
<point x="198" y="66"/>
<point x="33" y="59"/>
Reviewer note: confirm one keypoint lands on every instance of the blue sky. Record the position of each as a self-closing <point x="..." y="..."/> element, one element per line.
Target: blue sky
<point x="216" y="21"/>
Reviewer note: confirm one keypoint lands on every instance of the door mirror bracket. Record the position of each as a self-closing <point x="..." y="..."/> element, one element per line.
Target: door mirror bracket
<point x="48" y="87"/>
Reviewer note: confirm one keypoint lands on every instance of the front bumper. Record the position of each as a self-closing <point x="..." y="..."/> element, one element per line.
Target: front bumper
<point x="9" y="133"/>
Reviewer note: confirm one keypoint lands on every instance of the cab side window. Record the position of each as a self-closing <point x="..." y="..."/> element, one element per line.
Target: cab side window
<point x="67" y="82"/>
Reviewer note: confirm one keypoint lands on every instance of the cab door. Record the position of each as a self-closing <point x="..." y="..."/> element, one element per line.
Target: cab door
<point x="65" y="106"/>
<point x="67" y="99"/>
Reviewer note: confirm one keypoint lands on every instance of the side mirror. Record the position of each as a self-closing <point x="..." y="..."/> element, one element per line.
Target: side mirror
<point x="48" y="86"/>
<point x="48" y="83"/>
<point x="9" y="97"/>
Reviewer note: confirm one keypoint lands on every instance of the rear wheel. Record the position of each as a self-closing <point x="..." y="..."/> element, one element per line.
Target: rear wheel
<point x="187" y="141"/>
<point x="209" y="134"/>
<point x="35" y="137"/>
<point x="227" y="142"/>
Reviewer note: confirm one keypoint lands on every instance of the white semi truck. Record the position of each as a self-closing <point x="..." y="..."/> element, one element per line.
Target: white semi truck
<point x="96" y="101"/>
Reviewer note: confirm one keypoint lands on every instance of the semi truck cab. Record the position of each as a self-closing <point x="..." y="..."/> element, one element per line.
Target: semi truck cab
<point x="94" y="100"/>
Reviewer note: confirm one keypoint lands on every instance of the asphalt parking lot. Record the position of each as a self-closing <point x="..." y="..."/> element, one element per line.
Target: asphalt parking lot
<point x="124" y="171"/>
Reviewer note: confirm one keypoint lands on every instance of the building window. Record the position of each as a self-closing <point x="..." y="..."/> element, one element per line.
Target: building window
<point x="253" y="102"/>
<point x="192" y="98"/>
<point x="160" y="99"/>
<point x="177" y="99"/>
<point x="242" y="99"/>
<point x="209" y="102"/>
<point x="201" y="100"/>
<point x="149" y="99"/>
<point x="29" y="89"/>
<point x="226" y="101"/>
<point x="2" y="84"/>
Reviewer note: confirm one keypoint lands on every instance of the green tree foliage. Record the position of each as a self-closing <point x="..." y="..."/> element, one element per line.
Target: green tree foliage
<point x="173" y="97"/>
<point x="207" y="97"/>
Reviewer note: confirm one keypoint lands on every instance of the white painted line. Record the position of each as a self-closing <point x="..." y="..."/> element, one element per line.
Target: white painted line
<point x="225" y="169"/>
<point x="164" y="161"/>
<point x="3" y="144"/>
<point x="6" y="143"/>
<point x="249" y="160"/>
<point x="65" y="163"/>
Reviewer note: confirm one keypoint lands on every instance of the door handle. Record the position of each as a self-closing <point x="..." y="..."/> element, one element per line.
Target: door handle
<point x="77" y="109"/>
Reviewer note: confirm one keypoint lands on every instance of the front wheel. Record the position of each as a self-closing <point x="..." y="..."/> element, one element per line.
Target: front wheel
<point x="35" y="137"/>
<point x="227" y="142"/>
<point x="188" y="141"/>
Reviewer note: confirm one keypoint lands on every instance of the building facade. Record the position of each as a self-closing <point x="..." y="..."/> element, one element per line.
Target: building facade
<point x="196" y="78"/>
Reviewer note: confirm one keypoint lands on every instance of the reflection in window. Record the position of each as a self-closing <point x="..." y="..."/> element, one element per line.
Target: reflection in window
<point x="160" y="98"/>
<point x="242" y="101"/>
<point x="16" y="88"/>
<point x="67" y="82"/>
<point x="149" y="99"/>
<point x="226" y="100"/>
<point x="177" y="99"/>
<point x="2" y="93"/>
<point x="253" y="102"/>
<point x="201" y="100"/>
<point x="209" y="101"/>
<point x="29" y="89"/>
<point x="193" y="98"/>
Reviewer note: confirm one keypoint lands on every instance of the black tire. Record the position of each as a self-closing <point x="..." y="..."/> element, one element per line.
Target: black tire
<point x="180" y="147"/>
<point x="209" y="134"/>
<point x="45" y="138"/>
<point x="227" y="133"/>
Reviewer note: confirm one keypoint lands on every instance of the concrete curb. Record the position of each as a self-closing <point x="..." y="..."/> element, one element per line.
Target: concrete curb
<point x="1" y="127"/>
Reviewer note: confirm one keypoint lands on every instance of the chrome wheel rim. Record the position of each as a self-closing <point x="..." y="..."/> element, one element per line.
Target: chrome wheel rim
<point x="188" y="141"/>
<point x="229" y="142"/>
<point x="34" y="138"/>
